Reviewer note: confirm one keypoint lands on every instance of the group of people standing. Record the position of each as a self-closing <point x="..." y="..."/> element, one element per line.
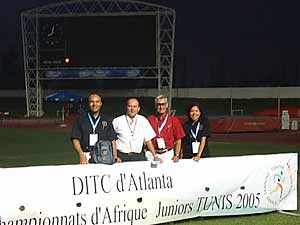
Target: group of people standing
<point x="160" y="137"/>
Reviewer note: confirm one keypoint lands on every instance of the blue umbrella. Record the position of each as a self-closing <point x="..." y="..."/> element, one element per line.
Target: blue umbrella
<point x="65" y="97"/>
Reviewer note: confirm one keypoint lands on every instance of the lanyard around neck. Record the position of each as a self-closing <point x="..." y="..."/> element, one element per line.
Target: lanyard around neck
<point x="132" y="131"/>
<point x="197" y="130"/>
<point x="159" y="128"/>
<point x="94" y="125"/>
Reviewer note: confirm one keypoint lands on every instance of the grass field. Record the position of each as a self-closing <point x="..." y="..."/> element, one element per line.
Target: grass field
<point x="32" y="147"/>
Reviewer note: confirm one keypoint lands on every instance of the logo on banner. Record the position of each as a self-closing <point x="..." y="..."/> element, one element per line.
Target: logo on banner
<point x="278" y="183"/>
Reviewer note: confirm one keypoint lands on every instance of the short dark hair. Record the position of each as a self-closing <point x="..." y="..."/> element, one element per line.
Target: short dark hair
<point x="133" y="98"/>
<point x="94" y="93"/>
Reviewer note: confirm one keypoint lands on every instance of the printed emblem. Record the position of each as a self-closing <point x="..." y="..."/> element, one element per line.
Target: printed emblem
<point x="104" y="124"/>
<point x="278" y="183"/>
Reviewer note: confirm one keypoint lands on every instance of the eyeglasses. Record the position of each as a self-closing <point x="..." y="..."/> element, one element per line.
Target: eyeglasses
<point x="161" y="104"/>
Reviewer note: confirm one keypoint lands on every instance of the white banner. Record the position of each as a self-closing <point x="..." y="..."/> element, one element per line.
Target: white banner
<point x="136" y="193"/>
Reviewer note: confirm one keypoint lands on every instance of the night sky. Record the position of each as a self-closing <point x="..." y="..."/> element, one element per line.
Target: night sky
<point x="218" y="43"/>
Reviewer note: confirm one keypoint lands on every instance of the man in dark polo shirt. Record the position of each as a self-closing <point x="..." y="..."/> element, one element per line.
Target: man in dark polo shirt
<point x="90" y="127"/>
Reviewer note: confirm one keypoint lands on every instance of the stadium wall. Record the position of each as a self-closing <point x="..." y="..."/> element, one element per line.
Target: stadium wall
<point x="225" y="117"/>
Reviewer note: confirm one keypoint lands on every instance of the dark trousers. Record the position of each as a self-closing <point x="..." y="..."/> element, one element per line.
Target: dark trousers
<point x="131" y="156"/>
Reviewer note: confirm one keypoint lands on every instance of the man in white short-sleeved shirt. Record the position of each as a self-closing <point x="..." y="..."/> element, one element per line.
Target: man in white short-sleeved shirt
<point x="133" y="130"/>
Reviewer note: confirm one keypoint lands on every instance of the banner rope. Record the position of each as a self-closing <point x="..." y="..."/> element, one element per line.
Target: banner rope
<point x="289" y="213"/>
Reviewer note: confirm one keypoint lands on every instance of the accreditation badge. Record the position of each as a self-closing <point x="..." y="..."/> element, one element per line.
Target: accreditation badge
<point x="93" y="138"/>
<point x="161" y="143"/>
<point x="195" y="146"/>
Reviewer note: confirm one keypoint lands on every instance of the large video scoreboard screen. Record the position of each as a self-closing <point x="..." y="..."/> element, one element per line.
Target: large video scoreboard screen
<point x="97" y="41"/>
